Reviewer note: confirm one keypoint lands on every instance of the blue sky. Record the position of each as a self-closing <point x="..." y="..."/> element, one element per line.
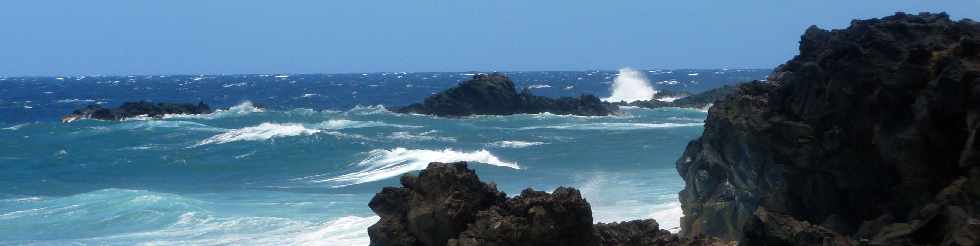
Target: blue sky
<point x="71" y="37"/>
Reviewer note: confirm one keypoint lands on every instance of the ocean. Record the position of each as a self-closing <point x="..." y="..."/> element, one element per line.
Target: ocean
<point x="293" y="159"/>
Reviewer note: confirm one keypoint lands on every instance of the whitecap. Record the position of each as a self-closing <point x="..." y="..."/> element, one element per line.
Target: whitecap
<point x="514" y="144"/>
<point x="613" y="126"/>
<point x="76" y="100"/>
<point x="264" y="131"/>
<point x="538" y="86"/>
<point x="241" y="109"/>
<point x="16" y="127"/>
<point x="424" y="136"/>
<point x="382" y="164"/>
<point x="348" y="124"/>
<point x="368" y="110"/>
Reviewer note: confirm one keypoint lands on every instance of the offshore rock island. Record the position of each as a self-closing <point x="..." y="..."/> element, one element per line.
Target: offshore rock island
<point x="495" y="94"/>
<point x="136" y="109"/>
<point x="867" y="137"/>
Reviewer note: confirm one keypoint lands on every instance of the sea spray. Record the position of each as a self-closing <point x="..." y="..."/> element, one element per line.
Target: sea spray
<point x="630" y="85"/>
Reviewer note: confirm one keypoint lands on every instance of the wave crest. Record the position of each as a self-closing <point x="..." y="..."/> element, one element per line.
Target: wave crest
<point x="382" y="164"/>
<point x="262" y="131"/>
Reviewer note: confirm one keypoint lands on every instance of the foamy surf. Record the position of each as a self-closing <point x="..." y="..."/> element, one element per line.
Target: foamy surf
<point x="514" y="144"/>
<point x="630" y="85"/>
<point x="382" y="164"/>
<point x="264" y="131"/>
<point x="244" y="108"/>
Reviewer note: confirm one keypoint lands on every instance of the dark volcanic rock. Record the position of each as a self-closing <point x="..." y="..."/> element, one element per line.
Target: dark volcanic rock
<point x="869" y="133"/>
<point x="495" y="94"/>
<point x="448" y="205"/>
<point x="700" y="100"/>
<point x="135" y="109"/>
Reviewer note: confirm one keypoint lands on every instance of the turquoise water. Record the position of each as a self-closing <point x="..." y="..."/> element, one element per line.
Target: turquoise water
<point x="299" y="176"/>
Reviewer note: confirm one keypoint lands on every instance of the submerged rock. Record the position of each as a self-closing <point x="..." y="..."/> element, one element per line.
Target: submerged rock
<point x="868" y="136"/>
<point x="495" y="94"/>
<point x="136" y="109"/>
<point x="446" y="204"/>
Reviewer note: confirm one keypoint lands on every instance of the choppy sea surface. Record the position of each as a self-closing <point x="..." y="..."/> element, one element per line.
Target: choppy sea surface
<point x="301" y="169"/>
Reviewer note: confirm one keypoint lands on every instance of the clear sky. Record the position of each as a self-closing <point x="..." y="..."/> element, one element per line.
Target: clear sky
<point x="72" y="37"/>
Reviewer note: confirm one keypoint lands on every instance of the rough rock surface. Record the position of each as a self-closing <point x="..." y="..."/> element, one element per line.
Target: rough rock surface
<point x="869" y="135"/>
<point x="495" y="94"/>
<point x="136" y="109"/>
<point x="446" y="204"/>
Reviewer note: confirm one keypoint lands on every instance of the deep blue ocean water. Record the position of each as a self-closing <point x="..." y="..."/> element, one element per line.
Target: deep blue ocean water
<point x="301" y="169"/>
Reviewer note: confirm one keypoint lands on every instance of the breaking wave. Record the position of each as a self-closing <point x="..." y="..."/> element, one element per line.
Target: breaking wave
<point x="630" y="85"/>
<point x="382" y="164"/>
<point x="514" y="144"/>
<point x="241" y="109"/>
<point x="262" y="131"/>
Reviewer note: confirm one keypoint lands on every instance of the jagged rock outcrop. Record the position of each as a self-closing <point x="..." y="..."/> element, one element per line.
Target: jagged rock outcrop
<point x="685" y="100"/>
<point x="136" y="109"/>
<point x="446" y="204"/>
<point x="869" y="135"/>
<point x="495" y="94"/>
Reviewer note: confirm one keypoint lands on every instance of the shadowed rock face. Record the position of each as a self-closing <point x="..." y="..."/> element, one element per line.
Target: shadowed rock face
<point x="495" y="94"/>
<point x="870" y="133"/>
<point x="135" y="109"/>
<point x="446" y="204"/>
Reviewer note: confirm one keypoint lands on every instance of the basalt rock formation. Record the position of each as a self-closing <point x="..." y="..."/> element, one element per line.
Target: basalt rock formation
<point x="136" y="109"/>
<point x="495" y="94"/>
<point x="868" y="136"/>
<point x="447" y="204"/>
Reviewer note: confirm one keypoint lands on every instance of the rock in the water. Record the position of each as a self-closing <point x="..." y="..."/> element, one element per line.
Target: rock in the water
<point x="446" y="204"/>
<point x="136" y="109"/>
<point x="869" y="133"/>
<point x="495" y="94"/>
<point x="684" y="100"/>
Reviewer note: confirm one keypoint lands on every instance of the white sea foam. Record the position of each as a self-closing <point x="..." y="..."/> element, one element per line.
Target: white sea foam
<point x="136" y="123"/>
<point x="76" y="100"/>
<point x="16" y="127"/>
<point x="630" y="85"/>
<point x="668" y="99"/>
<point x="514" y="144"/>
<point x="264" y="131"/>
<point x="348" y="124"/>
<point x="424" y="136"/>
<point x="382" y="164"/>
<point x="613" y="126"/>
<point x="350" y="230"/>
<point x="368" y="110"/>
<point x="538" y="86"/>
<point x="241" y="109"/>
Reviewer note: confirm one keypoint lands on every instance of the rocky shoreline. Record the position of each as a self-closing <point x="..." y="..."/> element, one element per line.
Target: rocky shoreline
<point x="868" y="137"/>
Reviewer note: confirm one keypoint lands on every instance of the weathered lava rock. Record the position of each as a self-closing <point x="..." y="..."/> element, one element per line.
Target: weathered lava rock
<point x="446" y="204"/>
<point x="495" y="94"/>
<point x="136" y="109"/>
<point x="870" y="133"/>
